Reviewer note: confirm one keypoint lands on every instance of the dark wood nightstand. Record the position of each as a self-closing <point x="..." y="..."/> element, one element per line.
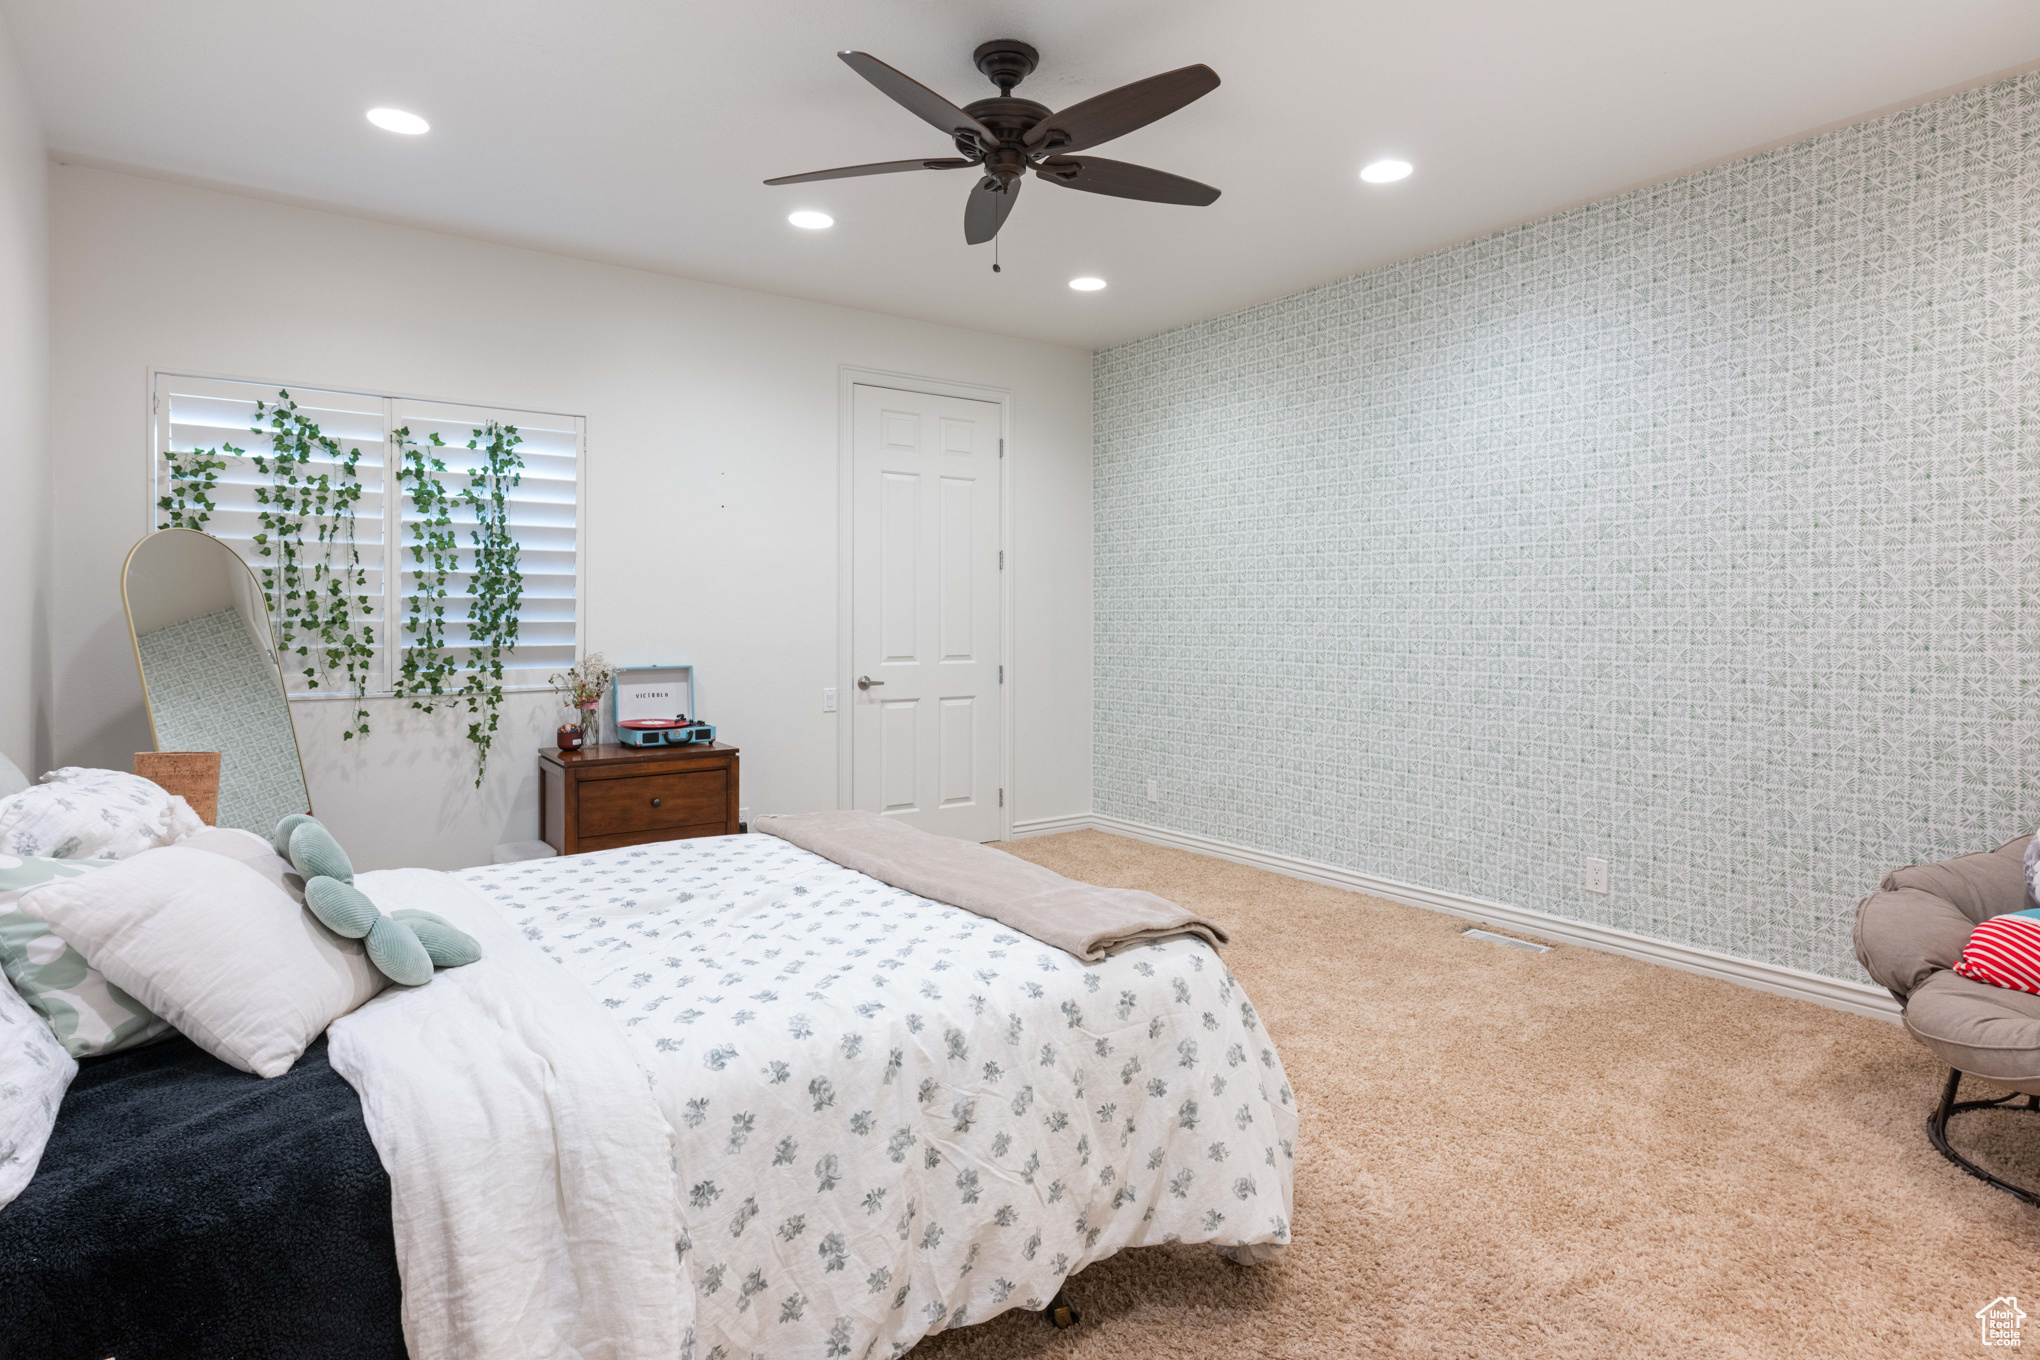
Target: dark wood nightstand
<point x="600" y="797"/>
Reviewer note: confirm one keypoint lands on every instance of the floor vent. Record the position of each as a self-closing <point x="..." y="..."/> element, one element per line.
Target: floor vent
<point x="1503" y="939"/>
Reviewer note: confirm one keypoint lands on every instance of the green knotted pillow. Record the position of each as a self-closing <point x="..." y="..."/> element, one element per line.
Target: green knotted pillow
<point x="315" y="854"/>
<point x="393" y="947"/>
<point x="342" y="907"/>
<point x="447" y="943"/>
<point x="405" y="946"/>
<point x="279" y="839"/>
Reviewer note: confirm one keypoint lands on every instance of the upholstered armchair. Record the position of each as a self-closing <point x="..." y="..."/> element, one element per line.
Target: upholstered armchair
<point x="1909" y="935"/>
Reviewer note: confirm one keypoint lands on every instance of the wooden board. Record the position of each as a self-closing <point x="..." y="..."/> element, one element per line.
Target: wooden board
<point x="193" y="776"/>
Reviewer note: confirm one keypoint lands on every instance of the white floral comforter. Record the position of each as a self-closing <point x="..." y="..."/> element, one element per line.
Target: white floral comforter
<point x="895" y="1116"/>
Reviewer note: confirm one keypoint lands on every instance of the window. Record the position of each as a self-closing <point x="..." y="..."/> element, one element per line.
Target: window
<point x="543" y="510"/>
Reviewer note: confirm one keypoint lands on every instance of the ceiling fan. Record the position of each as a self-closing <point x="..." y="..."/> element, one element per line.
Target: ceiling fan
<point x="1006" y="137"/>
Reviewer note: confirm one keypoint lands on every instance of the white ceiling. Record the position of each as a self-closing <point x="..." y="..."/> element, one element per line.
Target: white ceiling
<point x="637" y="131"/>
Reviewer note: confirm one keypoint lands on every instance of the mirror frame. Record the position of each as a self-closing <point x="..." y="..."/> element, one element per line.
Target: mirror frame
<point x="268" y="644"/>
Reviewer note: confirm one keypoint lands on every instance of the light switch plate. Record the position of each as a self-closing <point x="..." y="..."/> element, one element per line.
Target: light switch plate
<point x="828" y="701"/>
<point x="1597" y="876"/>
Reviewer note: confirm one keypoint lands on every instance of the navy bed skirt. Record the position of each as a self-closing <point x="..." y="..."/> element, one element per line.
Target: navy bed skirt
<point x="186" y="1211"/>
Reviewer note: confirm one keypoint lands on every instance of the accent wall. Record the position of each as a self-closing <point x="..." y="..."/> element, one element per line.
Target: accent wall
<point x="1693" y="530"/>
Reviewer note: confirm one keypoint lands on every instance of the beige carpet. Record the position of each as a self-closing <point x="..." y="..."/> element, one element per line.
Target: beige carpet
<point x="1564" y="1154"/>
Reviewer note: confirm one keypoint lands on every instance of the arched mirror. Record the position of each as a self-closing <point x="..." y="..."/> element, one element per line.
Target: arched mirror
<point x="209" y="675"/>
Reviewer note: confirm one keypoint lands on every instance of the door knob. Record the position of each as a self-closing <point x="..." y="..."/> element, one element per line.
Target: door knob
<point x="866" y="682"/>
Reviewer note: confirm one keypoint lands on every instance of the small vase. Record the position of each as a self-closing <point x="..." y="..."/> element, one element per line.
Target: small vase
<point x="570" y="737"/>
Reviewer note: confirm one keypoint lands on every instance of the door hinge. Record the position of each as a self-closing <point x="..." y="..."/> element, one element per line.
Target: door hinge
<point x="1002" y="675"/>
<point x="1002" y="559"/>
<point x="1002" y="798"/>
<point x="1002" y="448"/>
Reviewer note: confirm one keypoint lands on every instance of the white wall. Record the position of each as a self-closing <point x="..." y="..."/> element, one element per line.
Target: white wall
<point x="710" y="522"/>
<point x="24" y="404"/>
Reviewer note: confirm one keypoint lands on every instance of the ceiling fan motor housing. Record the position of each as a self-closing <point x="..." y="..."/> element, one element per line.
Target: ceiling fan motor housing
<point x="1006" y="62"/>
<point x="1011" y="119"/>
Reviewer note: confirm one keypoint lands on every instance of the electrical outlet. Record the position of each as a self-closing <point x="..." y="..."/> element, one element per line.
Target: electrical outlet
<point x="829" y="700"/>
<point x="1154" y="791"/>
<point x="1597" y="876"/>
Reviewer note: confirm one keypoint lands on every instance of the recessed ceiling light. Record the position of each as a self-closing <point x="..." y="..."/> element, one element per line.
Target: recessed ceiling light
<point x="1087" y="284"/>
<point x="396" y="120"/>
<point x="812" y="221"/>
<point x="1386" y="172"/>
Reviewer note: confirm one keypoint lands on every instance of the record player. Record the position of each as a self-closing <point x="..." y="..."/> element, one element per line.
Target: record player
<point x="649" y="706"/>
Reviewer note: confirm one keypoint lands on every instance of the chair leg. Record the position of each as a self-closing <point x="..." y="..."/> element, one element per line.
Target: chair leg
<point x="1937" y="1131"/>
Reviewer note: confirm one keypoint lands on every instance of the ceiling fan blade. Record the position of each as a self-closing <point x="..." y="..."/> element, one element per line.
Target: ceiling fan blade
<point x="918" y="99"/>
<point x="881" y="168"/>
<point x="1118" y="112"/>
<point x="1095" y="174"/>
<point x="985" y="211"/>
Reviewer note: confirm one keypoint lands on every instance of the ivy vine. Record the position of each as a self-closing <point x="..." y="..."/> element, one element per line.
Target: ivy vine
<point x="496" y="586"/>
<point x="321" y="604"/>
<point x="434" y="551"/>
<point x="188" y="503"/>
<point x="495" y="583"/>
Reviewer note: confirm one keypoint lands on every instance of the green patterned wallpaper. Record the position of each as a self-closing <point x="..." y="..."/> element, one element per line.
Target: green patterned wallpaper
<point x="1693" y="530"/>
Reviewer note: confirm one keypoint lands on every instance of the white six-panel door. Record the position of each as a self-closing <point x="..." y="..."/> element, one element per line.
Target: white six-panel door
<point x="925" y="600"/>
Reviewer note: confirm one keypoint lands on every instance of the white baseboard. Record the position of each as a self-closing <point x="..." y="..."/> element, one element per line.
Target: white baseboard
<point x="1858" y="997"/>
<point x="1053" y="826"/>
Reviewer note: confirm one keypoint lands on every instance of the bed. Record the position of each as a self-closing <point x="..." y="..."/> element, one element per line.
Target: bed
<point x="787" y="1109"/>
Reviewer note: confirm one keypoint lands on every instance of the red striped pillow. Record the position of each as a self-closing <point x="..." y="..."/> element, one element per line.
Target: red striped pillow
<point x="2004" y="952"/>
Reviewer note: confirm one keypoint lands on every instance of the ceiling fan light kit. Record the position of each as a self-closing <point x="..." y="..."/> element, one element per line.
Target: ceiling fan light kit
<point x="1005" y="137"/>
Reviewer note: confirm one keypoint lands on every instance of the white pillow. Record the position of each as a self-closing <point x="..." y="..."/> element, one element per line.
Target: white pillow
<point x="216" y="948"/>
<point x="253" y="851"/>
<point x="78" y="813"/>
<point x="34" y="1074"/>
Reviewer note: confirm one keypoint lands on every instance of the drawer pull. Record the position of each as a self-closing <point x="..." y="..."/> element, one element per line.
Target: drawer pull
<point x="658" y="802"/>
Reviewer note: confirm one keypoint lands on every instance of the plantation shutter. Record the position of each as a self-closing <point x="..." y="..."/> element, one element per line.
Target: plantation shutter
<point x="542" y="519"/>
<point x="194" y="414"/>
<point x="199" y="414"/>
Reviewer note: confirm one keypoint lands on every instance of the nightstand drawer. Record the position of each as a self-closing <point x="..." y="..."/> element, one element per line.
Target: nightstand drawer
<point x="653" y="802"/>
<point x="602" y="797"/>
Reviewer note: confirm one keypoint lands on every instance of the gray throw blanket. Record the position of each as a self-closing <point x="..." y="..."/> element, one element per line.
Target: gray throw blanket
<point x="1084" y="919"/>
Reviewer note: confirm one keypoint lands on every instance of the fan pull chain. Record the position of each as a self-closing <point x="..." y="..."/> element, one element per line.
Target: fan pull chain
<point x="995" y="254"/>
